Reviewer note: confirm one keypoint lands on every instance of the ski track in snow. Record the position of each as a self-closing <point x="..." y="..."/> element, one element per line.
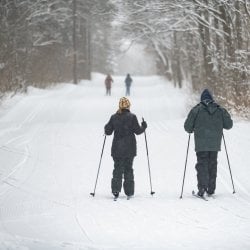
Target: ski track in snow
<point x="50" y="146"/>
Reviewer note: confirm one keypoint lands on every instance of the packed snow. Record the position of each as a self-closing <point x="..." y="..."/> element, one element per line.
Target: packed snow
<point x="50" y="147"/>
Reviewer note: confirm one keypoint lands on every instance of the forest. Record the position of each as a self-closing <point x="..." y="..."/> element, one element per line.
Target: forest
<point x="202" y="43"/>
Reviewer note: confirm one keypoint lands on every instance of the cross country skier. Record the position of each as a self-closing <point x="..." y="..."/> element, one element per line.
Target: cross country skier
<point x="108" y="82"/>
<point x="207" y="120"/>
<point x="125" y="125"/>
<point x="128" y="82"/>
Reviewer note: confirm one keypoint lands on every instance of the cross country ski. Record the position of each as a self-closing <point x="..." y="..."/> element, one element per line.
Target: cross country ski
<point x="198" y="196"/>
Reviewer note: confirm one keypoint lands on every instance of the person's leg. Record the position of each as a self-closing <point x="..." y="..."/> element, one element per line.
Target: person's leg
<point x="116" y="182"/>
<point x="212" y="168"/>
<point x="202" y="171"/>
<point x="129" y="184"/>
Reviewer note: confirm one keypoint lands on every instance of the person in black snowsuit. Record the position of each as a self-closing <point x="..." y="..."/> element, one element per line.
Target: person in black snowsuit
<point x="207" y="120"/>
<point x="125" y="125"/>
<point x="128" y="82"/>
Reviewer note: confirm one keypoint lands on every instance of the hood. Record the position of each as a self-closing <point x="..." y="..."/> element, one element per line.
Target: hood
<point x="208" y="101"/>
<point x="206" y="96"/>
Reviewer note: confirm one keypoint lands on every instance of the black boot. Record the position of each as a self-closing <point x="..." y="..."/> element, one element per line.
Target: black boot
<point x="201" y="192"/>
<point x="116" y="194"/>
<point x="210" y="192"/>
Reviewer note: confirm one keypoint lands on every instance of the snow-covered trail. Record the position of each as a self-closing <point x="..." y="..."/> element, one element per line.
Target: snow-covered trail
<point x="50" y="146"/>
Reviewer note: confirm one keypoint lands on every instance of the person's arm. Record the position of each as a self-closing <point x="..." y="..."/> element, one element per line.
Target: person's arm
<point x="137" y="129"/>
<point x="190" y="121"/>
<point x="227" y="121"/>
<point x="108" y="128"/>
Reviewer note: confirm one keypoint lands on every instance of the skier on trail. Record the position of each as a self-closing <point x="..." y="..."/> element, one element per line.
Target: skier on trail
<point x="108" y="82"/>
<point x="128" y="82"/>
<point x="125" y="125"/>
<point x="207" y="120"/>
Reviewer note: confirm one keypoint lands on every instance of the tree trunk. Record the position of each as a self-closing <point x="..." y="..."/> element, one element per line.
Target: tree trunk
<point x="74" y="43"/>
<point x="218" y="45"/>
<point x="229" y="50"/>
<point x="176" y="66"/>
<point x="238" y="25"/>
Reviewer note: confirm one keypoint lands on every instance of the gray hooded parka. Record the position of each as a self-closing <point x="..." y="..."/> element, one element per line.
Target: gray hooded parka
<point x="207" y="120"/>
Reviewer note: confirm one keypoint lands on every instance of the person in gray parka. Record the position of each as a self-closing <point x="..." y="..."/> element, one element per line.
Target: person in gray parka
<point x="207" y="120"/>
<point x="125" y="126"/>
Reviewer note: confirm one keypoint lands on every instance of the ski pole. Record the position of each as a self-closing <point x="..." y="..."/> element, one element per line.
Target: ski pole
<point x="152" y="192"/>
<point x="185" y="167"/>
<point x="93" y="194"/>
<point x="228" y="163"/>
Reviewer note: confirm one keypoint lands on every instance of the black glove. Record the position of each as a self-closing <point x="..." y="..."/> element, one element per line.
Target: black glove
<point x="144" y="124"/>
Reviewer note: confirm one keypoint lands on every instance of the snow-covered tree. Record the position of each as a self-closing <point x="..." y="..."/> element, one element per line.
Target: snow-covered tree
<point x="206" y="42"/>
<point x="42" y="40"/>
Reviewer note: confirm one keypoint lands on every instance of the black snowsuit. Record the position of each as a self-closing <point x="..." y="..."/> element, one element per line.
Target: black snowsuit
<point x="125" y="125"/>
<point x="207" y="120"/>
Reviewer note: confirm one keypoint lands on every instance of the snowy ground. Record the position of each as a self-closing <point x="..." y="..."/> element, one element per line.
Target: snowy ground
<point x="50" y="145"/>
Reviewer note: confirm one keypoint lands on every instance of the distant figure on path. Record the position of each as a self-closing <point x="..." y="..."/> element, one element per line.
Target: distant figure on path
<point x="207" y="120"/>
<point x="125" y="125"/>
<point x="108" y="83"/>
<point x="128" y="82"/>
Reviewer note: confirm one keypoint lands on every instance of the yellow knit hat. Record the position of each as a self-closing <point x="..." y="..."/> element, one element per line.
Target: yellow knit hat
<point x="124" y="103"/>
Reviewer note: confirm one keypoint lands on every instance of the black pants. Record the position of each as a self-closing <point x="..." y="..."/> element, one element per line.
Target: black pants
<point x="108" y="91"/>
<point x="127" y="90"/>
<point x="123" y="167"/>
<point x="206" y="167"/>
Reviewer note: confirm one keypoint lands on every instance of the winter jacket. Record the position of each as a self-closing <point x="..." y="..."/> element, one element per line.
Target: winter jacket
<point x="108" y="81"/>
<point x="207" y="120"/>
<point x="125" y="125"/>
<point x="128" y="81"/>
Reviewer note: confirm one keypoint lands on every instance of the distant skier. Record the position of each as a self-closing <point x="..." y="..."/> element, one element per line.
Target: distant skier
<point x="207" y="120"/>
<point x="108" y="83"/>
<point x="128" y="82"/>
<point x="125" y="125"/>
